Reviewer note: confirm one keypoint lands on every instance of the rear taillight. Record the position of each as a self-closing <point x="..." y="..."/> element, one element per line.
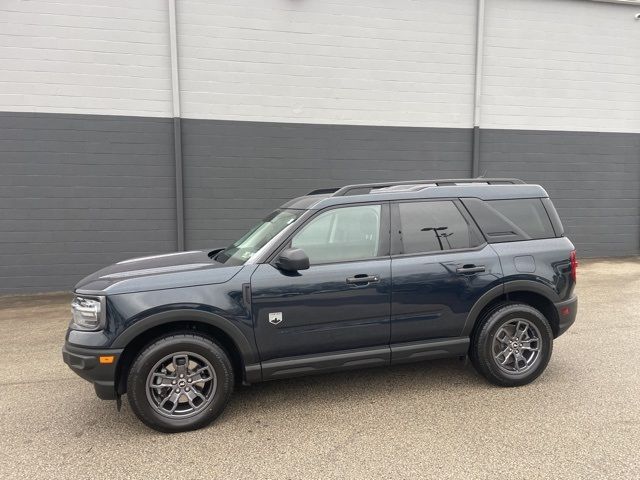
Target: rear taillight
<point x="574" y="265"/>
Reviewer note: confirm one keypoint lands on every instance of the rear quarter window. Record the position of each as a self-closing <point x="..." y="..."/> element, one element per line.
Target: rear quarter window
<point x="511" y="220"/>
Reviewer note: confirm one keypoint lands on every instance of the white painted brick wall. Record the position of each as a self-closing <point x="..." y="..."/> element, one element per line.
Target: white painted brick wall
<point x="549" y="64"/>
<point x="85" y="56"/>
<point x="561" y="65"/>
<point x="370" y="62"/>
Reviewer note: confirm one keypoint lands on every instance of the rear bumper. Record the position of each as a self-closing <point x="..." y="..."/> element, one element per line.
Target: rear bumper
<point x="567" y="312"/>
<point x="85" y="362"/>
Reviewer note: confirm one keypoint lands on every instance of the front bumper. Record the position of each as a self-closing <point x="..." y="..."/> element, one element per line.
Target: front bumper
<point x="567" y="312"/>
<point x="85" y="362"/>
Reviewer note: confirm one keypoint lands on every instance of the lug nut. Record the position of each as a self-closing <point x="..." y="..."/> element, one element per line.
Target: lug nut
<point x="173" y="382"/>
<point x="187" y="389"/>
<point x="177" y="390"/>
<point x="182" y="375"/>
<point x="189" y="380"/>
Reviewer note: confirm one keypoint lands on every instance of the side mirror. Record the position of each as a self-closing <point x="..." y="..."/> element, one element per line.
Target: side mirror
<point x="292" y="260"/>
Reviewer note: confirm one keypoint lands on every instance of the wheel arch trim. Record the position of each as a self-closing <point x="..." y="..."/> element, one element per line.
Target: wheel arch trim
<point x="248" y="354"/>
<point x="504" y="288"/>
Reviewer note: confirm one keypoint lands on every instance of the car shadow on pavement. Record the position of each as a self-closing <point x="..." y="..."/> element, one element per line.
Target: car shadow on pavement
<point x="342" y="386"/>
<point x="314" y="395"/>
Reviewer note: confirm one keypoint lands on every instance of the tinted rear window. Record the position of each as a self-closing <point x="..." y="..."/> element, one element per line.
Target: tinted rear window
<point x="528" y="214"/>
<point x="511" y="220"/>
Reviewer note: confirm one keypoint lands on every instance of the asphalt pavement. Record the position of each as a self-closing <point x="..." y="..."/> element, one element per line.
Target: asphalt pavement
<point x="439" y="419"/>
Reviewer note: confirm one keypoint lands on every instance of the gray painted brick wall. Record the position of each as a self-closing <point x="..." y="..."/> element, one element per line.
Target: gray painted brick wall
<point x="593" y="179"/>
<point x="78" y="192"/>
<point x="236" y="172"/>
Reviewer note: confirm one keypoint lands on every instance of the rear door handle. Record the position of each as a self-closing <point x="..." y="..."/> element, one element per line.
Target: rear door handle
<point x="362" y="279"/>
<point x="470" y="269"/>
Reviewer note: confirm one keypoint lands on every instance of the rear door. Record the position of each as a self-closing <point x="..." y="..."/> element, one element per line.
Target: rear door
<point x="441" y="265"/>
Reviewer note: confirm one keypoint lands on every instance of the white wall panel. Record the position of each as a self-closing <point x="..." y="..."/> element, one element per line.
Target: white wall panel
<point x="85" y="56"/>
<point x="349" y="62"/>
<point x="561" y="65"/>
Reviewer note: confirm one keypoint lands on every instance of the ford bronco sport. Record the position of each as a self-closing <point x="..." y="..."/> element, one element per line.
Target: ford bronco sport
<point x="358" y="276"/>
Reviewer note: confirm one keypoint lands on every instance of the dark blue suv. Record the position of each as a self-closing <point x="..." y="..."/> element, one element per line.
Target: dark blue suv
<point x="358" y="276"/>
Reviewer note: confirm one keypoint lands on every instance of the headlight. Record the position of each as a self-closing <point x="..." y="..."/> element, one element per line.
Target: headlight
<point x="88" y="312"/>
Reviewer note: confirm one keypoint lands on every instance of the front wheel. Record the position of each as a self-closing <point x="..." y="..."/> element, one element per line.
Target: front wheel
<point x="180" y="382"/>
<point x="513" y="345"/>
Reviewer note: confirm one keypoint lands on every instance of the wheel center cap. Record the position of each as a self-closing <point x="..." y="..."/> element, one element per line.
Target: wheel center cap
<point x="182" y="383"/>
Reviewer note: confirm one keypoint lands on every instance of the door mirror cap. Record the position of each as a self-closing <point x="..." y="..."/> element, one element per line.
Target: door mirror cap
<point x="292" y="260"/>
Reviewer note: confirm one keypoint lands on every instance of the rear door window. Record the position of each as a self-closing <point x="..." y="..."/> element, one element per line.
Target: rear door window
<point x="435" y="226"/>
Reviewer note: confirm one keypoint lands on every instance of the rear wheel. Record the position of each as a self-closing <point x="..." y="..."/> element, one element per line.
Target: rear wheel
<point x="513" y="345"/>
<point x="180" y="382"/>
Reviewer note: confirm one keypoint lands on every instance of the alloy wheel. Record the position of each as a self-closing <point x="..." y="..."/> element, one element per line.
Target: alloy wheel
<point x="516" y="346"/>
<point x="181" y="385"/>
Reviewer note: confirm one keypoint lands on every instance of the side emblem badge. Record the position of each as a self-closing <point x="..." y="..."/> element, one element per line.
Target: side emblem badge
<point x="275" y="318"/>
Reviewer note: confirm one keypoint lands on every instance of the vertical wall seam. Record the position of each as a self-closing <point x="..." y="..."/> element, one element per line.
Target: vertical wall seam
<point x="173" y="47"/>
<point x="177" y="152"/>
<point x="477" y="93"/>
<point x="177" y="125"/>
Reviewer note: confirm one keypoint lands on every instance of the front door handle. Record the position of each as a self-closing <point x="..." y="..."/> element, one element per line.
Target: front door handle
<point x="470" y="269"/>
<point x="362" y="279"/>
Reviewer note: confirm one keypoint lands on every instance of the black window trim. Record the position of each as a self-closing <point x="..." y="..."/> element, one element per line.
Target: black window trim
<point x="396" y="240"/>
<point x="554" y="218"/>
<point x="385" y="234"/>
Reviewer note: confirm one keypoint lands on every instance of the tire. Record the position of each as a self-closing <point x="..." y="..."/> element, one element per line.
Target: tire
<point x="503" y="349"/>
<point x="153" y="388"/>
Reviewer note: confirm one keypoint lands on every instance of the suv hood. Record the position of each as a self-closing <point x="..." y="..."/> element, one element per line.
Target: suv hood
<point x="156" y="272"/>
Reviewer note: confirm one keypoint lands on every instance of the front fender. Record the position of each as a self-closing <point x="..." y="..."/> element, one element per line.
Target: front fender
<point x="249" y="354"/>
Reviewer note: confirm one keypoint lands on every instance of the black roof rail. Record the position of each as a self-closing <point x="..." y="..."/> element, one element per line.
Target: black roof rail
<point x="348" y="189"/>
<point x="321" y="191"/>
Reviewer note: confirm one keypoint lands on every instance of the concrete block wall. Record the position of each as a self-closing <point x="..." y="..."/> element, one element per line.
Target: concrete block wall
<point x="108" y="58"/>
<point x="236" y="172"/>
<point x="368" y="62"/>
<point x="593" y="179"/>
<point x="561" y="66"/>
<point x="280" y="97"/>
<point x="78" y="192"/>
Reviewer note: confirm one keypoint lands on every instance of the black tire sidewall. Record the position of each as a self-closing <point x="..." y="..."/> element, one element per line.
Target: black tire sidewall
<point x="147" y="359"/>
<point x="483" y="344"/>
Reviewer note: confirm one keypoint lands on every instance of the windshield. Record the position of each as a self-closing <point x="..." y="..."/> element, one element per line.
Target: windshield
<point x="257" y="237"/>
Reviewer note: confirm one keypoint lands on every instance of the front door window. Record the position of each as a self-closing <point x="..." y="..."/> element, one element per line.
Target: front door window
<point x="341" y="235"/>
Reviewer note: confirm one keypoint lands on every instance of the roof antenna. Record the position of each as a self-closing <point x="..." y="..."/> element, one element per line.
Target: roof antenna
<point x="483" y="174"/>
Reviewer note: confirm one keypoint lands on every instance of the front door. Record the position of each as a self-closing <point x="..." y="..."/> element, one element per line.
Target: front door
<point x="340" y="306"/>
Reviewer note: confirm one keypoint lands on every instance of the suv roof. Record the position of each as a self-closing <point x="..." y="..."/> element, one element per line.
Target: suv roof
<point x="482" y="188"/>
